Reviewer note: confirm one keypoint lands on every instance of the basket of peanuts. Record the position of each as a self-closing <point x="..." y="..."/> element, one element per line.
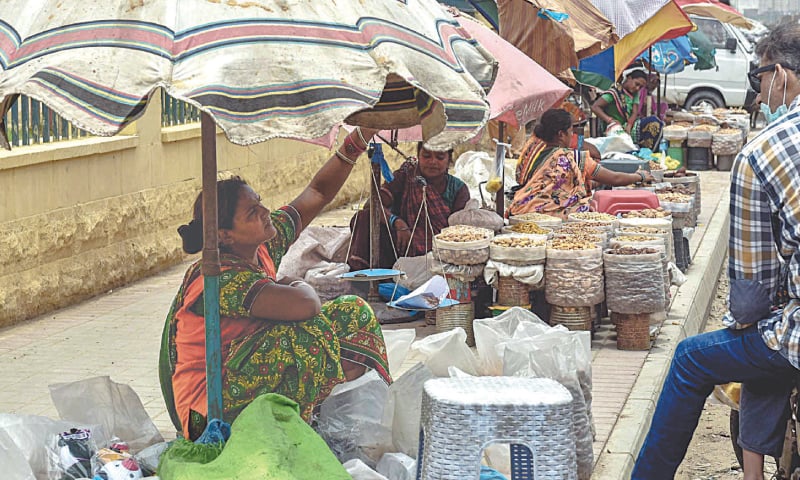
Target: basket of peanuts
<point x="518" y="249"/>
<point x="574" y="273"/>
<point x="462" y="245"/>
<point x="541" y="219"/>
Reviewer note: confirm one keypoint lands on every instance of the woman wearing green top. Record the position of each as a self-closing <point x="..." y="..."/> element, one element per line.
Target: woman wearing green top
<point x="620" y="106"/>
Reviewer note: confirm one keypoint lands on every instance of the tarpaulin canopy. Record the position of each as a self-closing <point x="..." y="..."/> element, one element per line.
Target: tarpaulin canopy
<point x="555" y="33"/>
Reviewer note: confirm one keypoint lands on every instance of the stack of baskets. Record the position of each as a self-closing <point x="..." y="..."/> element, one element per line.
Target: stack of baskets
<point x="634" y="290"/>
<point x="574" y="280"/>
<point x="460" y="251"/>
<point x="516" y="251"/>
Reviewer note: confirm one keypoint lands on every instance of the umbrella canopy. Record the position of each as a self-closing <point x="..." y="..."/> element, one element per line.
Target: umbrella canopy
<point x="262" y="69"/>
<point x="645" y="23"/>
<point x="522" y="91"/>
<point x="555" y="33"/>
<point x="259" y="69"/>
<point x="715" y="9"/>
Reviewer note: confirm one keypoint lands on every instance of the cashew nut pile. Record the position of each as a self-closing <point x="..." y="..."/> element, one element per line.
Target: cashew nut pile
<point x="647" y="213"/>
<point x="463" y="233"/>
<point x="677" y="188"/>
<point x="529" y="227"/>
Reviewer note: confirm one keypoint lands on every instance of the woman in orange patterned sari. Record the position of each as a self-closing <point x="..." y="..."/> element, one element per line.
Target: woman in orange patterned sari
<point x="275" y="338"/>
<point x="553" y="178"/>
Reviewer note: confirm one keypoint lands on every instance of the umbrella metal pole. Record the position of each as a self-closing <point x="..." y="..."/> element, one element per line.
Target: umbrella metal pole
<point x="210" y="268"/>
<point x="374" y="226"/>
<point x="499" y="197"/>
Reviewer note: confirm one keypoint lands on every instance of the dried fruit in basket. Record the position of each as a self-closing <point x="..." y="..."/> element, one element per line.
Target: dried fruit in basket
<point x="593" y="217"/>
<point x="463" y="233"/>
<point x="570" y="243"/>
<point x="647" y="213"/>
<point x="515" y="241"/>
<point x="529" y="227"/>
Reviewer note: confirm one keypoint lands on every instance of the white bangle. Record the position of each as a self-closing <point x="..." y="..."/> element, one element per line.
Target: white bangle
<point x="344" y="158"/>
<point x="361" y="137"/>
<point x="297" y="282"/>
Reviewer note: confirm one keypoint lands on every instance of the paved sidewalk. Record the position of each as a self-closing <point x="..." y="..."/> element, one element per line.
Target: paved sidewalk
<point x="118" y="334"/>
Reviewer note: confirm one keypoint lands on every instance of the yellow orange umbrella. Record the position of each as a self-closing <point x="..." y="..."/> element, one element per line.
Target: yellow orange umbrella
<point x="714" y="9"/>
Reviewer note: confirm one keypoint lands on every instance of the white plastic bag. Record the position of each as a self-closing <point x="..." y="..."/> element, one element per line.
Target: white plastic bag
<point x="324" y="278"/>
<point x="13" y="459"/>
<point x="397" y="466"/>
<point x="490" y="332"/>
<point x="527" y="274"/>
<point x="351" y="419"/>
<point x="398" y="344"/>
<point x="403" y="409"/>
<point x="475" y="216"/>
<point x="416" y="269"/>
<point x="360" y="471"/>
<point x="32" y="435"/>
<point x="114" y="406"/>
<point x="446" y="349"/>
<point x="565" y="357"/>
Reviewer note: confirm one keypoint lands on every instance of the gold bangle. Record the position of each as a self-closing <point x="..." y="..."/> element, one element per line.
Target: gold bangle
<point x="344" y="158"/>
<point x="361" y="137"/>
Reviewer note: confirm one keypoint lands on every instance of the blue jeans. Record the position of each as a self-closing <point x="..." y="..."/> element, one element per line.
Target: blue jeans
<point x="709" y="359"/>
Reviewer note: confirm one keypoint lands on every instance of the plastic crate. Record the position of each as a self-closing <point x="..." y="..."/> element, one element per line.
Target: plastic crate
<point x="621" y="201"/>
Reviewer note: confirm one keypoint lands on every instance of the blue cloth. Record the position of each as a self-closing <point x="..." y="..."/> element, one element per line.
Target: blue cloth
<point x="548" y="14"/>
<point x="377" y="157"/>
<point x="216" y="431"/>
<point x="491" y="474"/>
<point x="709" y="359"/>
<point x="385" y="291"/>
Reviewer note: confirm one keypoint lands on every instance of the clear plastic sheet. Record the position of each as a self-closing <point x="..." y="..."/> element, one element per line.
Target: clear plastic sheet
<point x="447" y="349"/>
<point x="565" y="357"/>
<point x="398" y="344"/>
<point x="634" y="283"/>
<point x="574" y="278"/>
<point x="351" y="419"/>
<point x="404" y="407"/>
<point x="514" y="323"/>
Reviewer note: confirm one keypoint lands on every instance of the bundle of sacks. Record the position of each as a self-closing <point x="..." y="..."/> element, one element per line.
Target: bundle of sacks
<point x="371" y="426"/>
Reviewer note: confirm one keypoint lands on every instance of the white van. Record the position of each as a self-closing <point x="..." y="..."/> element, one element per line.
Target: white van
<point x="725" y="86"/>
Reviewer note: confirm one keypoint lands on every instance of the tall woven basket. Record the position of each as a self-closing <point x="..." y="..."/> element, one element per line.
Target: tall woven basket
<point x="633" y="331"/>
<point x="458" y="315"/>
<point x="574" y="318"/>
<point x="512" y="292"/>
<point x="430" y="317"/>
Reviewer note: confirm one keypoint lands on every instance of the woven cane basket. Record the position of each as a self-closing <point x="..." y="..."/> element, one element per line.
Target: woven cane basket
<point x="633" y="331"/>
<point x="574" y="318"/>
<point x="430" y="317"/>
<point x="512" y="292"/>
<point x="458" y="315"/>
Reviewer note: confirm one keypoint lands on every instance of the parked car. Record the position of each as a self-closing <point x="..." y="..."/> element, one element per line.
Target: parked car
<point x="724" y="86"/>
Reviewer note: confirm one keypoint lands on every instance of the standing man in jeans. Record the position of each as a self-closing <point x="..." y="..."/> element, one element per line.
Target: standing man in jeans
<point x="761" y="346"/>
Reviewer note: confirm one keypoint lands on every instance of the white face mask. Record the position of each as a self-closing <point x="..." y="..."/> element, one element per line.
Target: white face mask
<point x="769" y="115"/>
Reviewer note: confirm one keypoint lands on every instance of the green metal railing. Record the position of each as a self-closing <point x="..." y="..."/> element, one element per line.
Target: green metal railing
<point x="177" y="112"/>
<point x="30" y="122"/>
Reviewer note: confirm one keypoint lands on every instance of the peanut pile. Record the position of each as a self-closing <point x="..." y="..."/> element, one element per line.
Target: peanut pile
<point x="463" y="233"/>
<point x="631" y="250"/>
<point x="529" y="227"/>
<point x="647" y="213"/>
<point x="640" y="230"/>
<point x="516" y="242"/>
<point x="571" y="243"/>
<point x="637" y="238"/>
<point x="682" y="189"/>
<point x="535" y="217"/>
<point x="594" y="217"/>
<point x="674" y="197"/>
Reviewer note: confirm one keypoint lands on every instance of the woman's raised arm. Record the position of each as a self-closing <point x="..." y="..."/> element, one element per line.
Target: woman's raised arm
<point x="330" y="178"/>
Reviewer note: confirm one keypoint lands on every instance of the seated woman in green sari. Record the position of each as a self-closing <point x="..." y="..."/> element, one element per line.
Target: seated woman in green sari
<point x="275" y="338"/>
<point x="620" y="106"/>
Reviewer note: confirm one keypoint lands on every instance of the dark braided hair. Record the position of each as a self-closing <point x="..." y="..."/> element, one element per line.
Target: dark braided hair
<point x="227" y="200"/>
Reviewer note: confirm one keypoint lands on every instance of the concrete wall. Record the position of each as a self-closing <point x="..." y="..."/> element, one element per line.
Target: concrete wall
<point x="78" y="218"/>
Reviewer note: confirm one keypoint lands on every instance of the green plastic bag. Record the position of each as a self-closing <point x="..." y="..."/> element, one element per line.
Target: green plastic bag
<point x="268" y="441"/>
